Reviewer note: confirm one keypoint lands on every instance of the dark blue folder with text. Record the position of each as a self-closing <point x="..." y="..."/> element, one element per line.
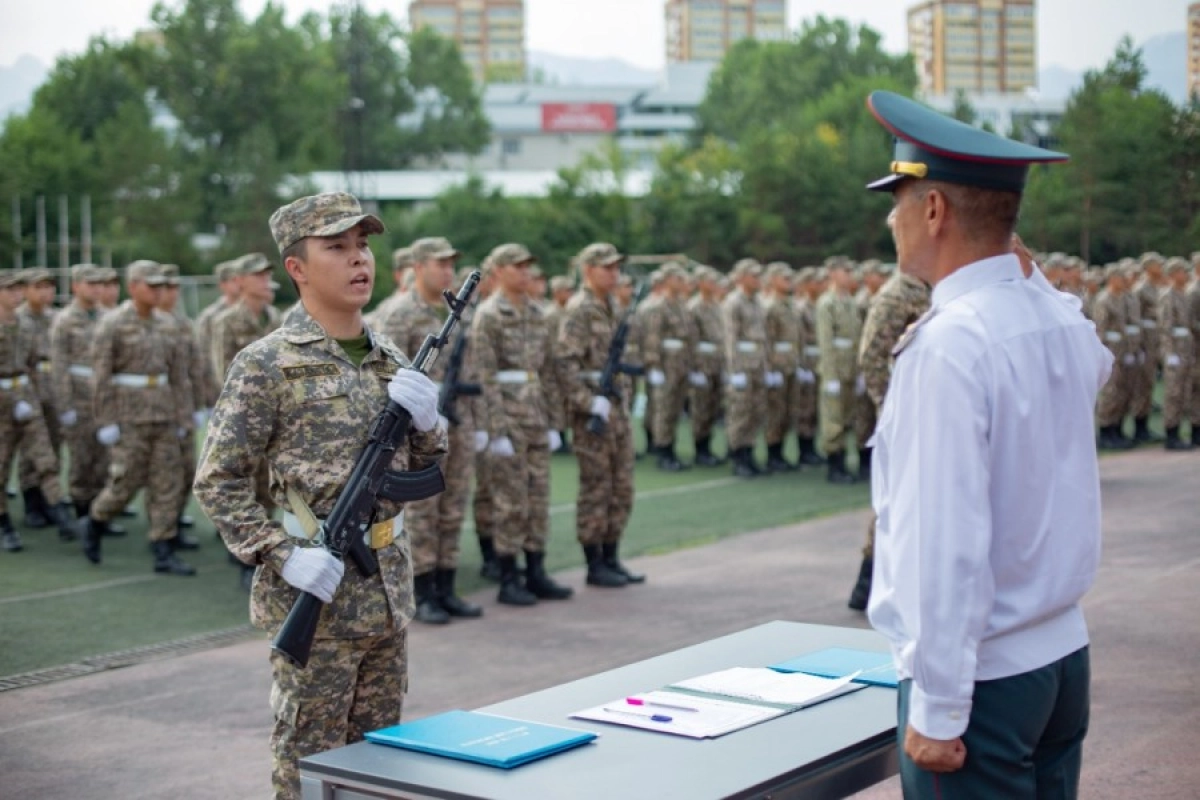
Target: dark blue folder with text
<point x="838" y="662"/>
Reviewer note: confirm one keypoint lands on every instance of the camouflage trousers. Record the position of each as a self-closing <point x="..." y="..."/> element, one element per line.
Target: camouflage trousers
<point x="521" y="494"/>
<point x="668" y="408"/>
<point x="483" y="510"/>
<point x="29" y="473"/>
<point x="350" y="686"/>
<point x="704" y="404"/>
<point x="187" y="462"/>
<point x="778" y="405"/>
<point x="864" y="419"/>
<point x="1115" y="396"/>
<point x="837" y="414"/>
<point x="1143" y="384"/>
<point x="744" y="409"/>
<point x="434" y="525"/>
<point x="89" y="459"/>
<point x="1177" y="391"/>
<point x="605" y="498"/>
<point x="31" y="439"/>
<point x="1194" y="397"/>
<point x="805" y="410"/>
<point x="145" y="457"/>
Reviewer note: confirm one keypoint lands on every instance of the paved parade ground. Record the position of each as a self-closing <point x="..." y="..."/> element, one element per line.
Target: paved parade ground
<point x="195" y="726"/>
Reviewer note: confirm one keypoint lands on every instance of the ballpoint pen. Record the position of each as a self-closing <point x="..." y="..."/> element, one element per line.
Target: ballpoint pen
<point x="637" y="701"/>
<point x="627" y="712"/>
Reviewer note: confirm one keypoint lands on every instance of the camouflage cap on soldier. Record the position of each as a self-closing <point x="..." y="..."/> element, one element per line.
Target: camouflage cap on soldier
<point x="506" y="255"/>
<point x="1150" y="258"/>
<point x="226" y="270"/>
<point x="673" y="269"/>
<point x="253" y="263"/>
<point x="10" y="277"/>
<point x="108" y="275"/>
<point x="1176" y="264"/>
<point x="746" y="266"/>
<point x="86" y="273"/>
<point x="535" y="272"/>
<point x="170" y="273"/>
<point x="1118" y="269"/>
<point x="778" y="269"/>
<point x="655" y="278"/>
<point x="431" y="248"/>
<point x="561" y="283"/>
<point x="145" y="271"/>
<point x="328" y="214"/>
<point x="33" y="275"/>
<point x="707" y="273"/>
<point x="402" y="258"/>
<point x="600" y="254"/>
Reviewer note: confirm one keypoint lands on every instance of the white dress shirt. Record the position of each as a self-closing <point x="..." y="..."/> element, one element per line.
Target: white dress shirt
<point x="987" y="488"/>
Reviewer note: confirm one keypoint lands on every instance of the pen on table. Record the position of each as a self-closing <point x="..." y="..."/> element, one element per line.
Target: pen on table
<point x="637" y="701"/>
<point x="628" y="713"/>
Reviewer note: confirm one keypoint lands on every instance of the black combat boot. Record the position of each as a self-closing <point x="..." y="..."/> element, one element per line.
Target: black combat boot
<point x="182" y="540"/>
<point x="564" y="449"/>
<point x="91" y="530"/>
<point x="864" y="464"/>
<point x="742" y="468"/>
<point x="667" y="460"/>
<point x="614" y="563"/>
<point x="443" y="581"/>
<point x="1173" y="441"/>
<point x="775" y="460"/>
<point x="512" y="588"/>
<point x="1142" y="433"/>
<point x="837" y="469"/>
<point x="862" y="587"/>
<point x="539" y="583"/>
<point x="808" y="452"/>
<point x="704" y="455"/>
<point x="598" y="572"/>
<point x="429" y="610"/>
<point x="37" y="510"/>
<point x="166" y="561"/>
<point x="10" y="540"/>
<point x="489" y="569"/>
<point x="61" y="516"/>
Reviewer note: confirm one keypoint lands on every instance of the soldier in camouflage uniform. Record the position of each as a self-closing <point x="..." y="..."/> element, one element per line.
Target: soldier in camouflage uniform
<point x="110" y="290"/>
<point x="304" y="397"/>
<point x="1109" y="313"/>
<point x="38" y="310"/>
<point x="21" y="422"/>
<point x="744" y="347"/>
<point x="668" y="339"/>
<point x="1147" y="291"/>
<point x="838" y="329"/>
<point x="561" y="290"/>
<point x="483" y="510"/>
<point x="434" y="525"/>
<point x="229" y="283"/>
<point x="783" y="360"/>
<point x="704" y="401"/>
<point x="509" y="342"/>
<point x="807" y="291"/>
<point x="1178" y="351"/>
<point x="898" y="304"/>
<point x="605" y="498"/>
<point x="874" y="275"/>
<point x="402" y="262"/>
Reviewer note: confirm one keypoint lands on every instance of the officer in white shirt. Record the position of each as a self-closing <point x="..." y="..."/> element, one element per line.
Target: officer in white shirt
<point x="985" y="479"/>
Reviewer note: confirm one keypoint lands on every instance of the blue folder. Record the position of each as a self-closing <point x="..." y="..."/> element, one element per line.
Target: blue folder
<point x="838" y="662"/>
<point x="481" y="738"/>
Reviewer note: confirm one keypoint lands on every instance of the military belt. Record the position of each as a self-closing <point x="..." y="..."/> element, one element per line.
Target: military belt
<point x="747" y="347"/>
<point x="15" y="382"/>
<point x="1133" y="330"/>
<point x="1181" y="332"/>
<point x="707" y="348"/>
<point x="1149" y="323"/>
<point x="673" y="344"/>
<point x="783" y="347"/>
<point x="812" y="351"/>
<point x="304" y="524"/>
<point x="515" y="376"/>
<point x="130" y="381"/>
<point x="842" y="343"/>
<point x="591" y="376"/>
<point x="80" y="370"/>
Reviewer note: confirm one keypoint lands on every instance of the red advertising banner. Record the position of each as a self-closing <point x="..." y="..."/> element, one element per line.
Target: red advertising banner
<point x="579" y="117"/>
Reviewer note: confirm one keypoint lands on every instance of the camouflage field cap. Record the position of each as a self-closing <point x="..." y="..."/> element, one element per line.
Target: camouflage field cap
<point x="326" y="214"/>
<point x="226" y="270"/>
<point x="34" y="275"/>
<point x="1176" y="264"/>
<point x="778" y="269"/>
<point x="673" y="269"/>
<point x="1196" y="258"/>
<point x="170" y="273"/>
<point x="253" y="263"/>
<point x="746" y="266"/>
<point x="87" y="273"/>
<point x="535" y="272"/>
<point x="430" y="248"/>
<point x="145" y="271"/>
<point x="402" y="258"/>
<point x="656" y="278"/>
<point x="625" y="279"/>
<point x="561" y="283"/>
<point x="600" y="254"/>
<point x="806" y="274"/>
<point x="506" y="255"/>
<point x="9" y="278"/>
<point x="1150" y="258"/>
<point x="108" y="275"/>
<point x="1117" y="270"/>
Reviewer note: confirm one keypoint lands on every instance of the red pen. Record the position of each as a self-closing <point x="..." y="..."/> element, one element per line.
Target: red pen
<point x="637" y="701"/>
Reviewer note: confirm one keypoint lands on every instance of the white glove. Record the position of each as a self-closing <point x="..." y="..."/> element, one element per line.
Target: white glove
<point x="655" y="377"/>
<point x="481" y="441"/>
<point x="68" y="418"/>
<point x="554" y="438"/>
<point x="199" y="418"/>
<point x="600" y="407"/>
<point x="443" y="422"/>
<point x="833" y="386"/>
<point x="1173" y="360"/>
<point x="181" y="432"/>
<point x="774" y="379"/>
<point x="314" y="570"/>
<point x="22" y="411"/>
<point x="502" y="447"/>
<point x="738" y="380"/>
<point x="417" y="395"/>
<point x="109" y="435"/>
<point x="1129" y="359"/>
<point x="698" y="379"/>
<point x="860" y="386"/>
<point x="805" y="375"/>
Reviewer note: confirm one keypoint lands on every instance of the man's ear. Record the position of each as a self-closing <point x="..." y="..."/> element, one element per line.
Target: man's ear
<point x="936" y="211"/>
<point x="296" y="270"/>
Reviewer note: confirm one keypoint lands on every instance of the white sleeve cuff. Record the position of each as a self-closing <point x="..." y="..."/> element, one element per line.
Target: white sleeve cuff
<point x="937" y="717"/>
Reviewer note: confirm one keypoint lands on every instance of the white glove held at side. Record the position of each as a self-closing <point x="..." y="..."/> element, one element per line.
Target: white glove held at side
<point x="833" y="387"/>
<point x="481" y="441"/>
<point x="698" y="379"/>
<point x="22" y="411"/>
<point x="1173" y="360"/>
<point x="860" y="385"/>
<point x="417" y="395"/>
<point x="314" y="570"/>
<point x="554" y="438"/>
<point x="805" y="375"/>
<point x="655" y="377"/>
<point x="774" y="379"/>
<point x="502" y="446"/>
<point x="738" y="380"/>
<point x="68" y="418"/>
<point x="600" y="407"/>
<point x="109" y="435"/>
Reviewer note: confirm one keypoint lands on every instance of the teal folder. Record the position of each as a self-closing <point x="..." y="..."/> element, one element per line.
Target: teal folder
<point x="838" y="662"/>
<point x="481" y="738"/>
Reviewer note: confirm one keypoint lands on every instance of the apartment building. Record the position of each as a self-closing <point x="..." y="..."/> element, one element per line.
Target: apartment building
<point x="704" y="30"/>
<point x="490" y="33"/>
<point x="977" y="46"/>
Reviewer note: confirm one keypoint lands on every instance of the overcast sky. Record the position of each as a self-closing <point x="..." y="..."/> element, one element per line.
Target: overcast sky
<point x="628" y="29"/>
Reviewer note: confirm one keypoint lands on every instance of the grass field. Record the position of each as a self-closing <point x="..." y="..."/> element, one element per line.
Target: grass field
<point x="56" y="608"/>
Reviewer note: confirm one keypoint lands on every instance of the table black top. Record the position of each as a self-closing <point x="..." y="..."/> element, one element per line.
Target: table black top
<point x="630" y="763"/>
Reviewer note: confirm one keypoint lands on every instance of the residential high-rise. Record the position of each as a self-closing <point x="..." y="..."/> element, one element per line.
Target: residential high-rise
<point x="703" y="30"/>
<point x="978" y="46"/>
<point x="1193" y="49"/>
<point x="490" y="33"/>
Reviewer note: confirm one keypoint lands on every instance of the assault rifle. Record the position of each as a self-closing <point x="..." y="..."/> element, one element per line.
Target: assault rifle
<point x="612" y="365"/>
<point x="350" y="521"/>
<point x="451" y="388"/>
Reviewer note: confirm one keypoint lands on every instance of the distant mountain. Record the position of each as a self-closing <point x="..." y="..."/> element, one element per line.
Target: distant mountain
<point x="18" y="83"/>
<point x="1055" y="82"/>
<point x="571" y="71"/>
<point x="1165" y="58"/>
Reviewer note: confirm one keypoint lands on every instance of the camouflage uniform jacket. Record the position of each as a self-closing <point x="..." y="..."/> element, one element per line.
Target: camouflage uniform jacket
<point x="295" y="399"/>
<point x="235" y="329"/>
<point x="810" y="352"/>
<point x="745" y="342"/>
<point x="204" y="335"/>
<point x="71" y="346"/>
<point x="1193" y="296"/>
<point x="195" y="362"/>
<point x="1148" y="296"/>
<point x="710" y="336"/>
<point x="783" y="334"/>
<point x="1108" y="314"/>
<point x="507" y="340"/>
<point x="668" y="339"/>
<point x="1175" y="324"/>
<point x="1134" y="340"/>
<point x="43" y="371"/>
<point x="18" y="356"/>
<point x="386" y="306"/>
<point x="126" y="344"/>
<point x="838" y="329"/>
<point x="900" y="303"/>
<point x="583" y="343"/>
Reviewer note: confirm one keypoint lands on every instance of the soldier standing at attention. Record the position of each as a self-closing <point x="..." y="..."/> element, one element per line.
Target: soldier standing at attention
<point x="704" y="401"/>
<point x="38" y="309"/>
<point x="667" y="342"/>
<point x="873" y="277"/>
<point x="900" y="303"/>
<point x="434" y="525"/>
<point x="71" y="338"/>
<point x="745" y="345"/>
<point x="1178" y="353"/>
<point x="783" y="360"/>
<point x="142" y="405"/>
<point x="110" y="292"/>
<point x="1147" y="290"/>
<point x="509" y="342"/>
<point x="304" y="398"/>
<point x="838" y="329"/>
<point x="1109" y="314"/>
<point x="605" y="497"/>
<point x="483" y="509"/>
<point x="560" y="292"/>
<point x="807" y="286"/>
<point x="229" y="284"/>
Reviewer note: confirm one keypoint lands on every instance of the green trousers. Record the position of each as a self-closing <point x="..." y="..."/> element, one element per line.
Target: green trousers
<point x="1024" y="738"/>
